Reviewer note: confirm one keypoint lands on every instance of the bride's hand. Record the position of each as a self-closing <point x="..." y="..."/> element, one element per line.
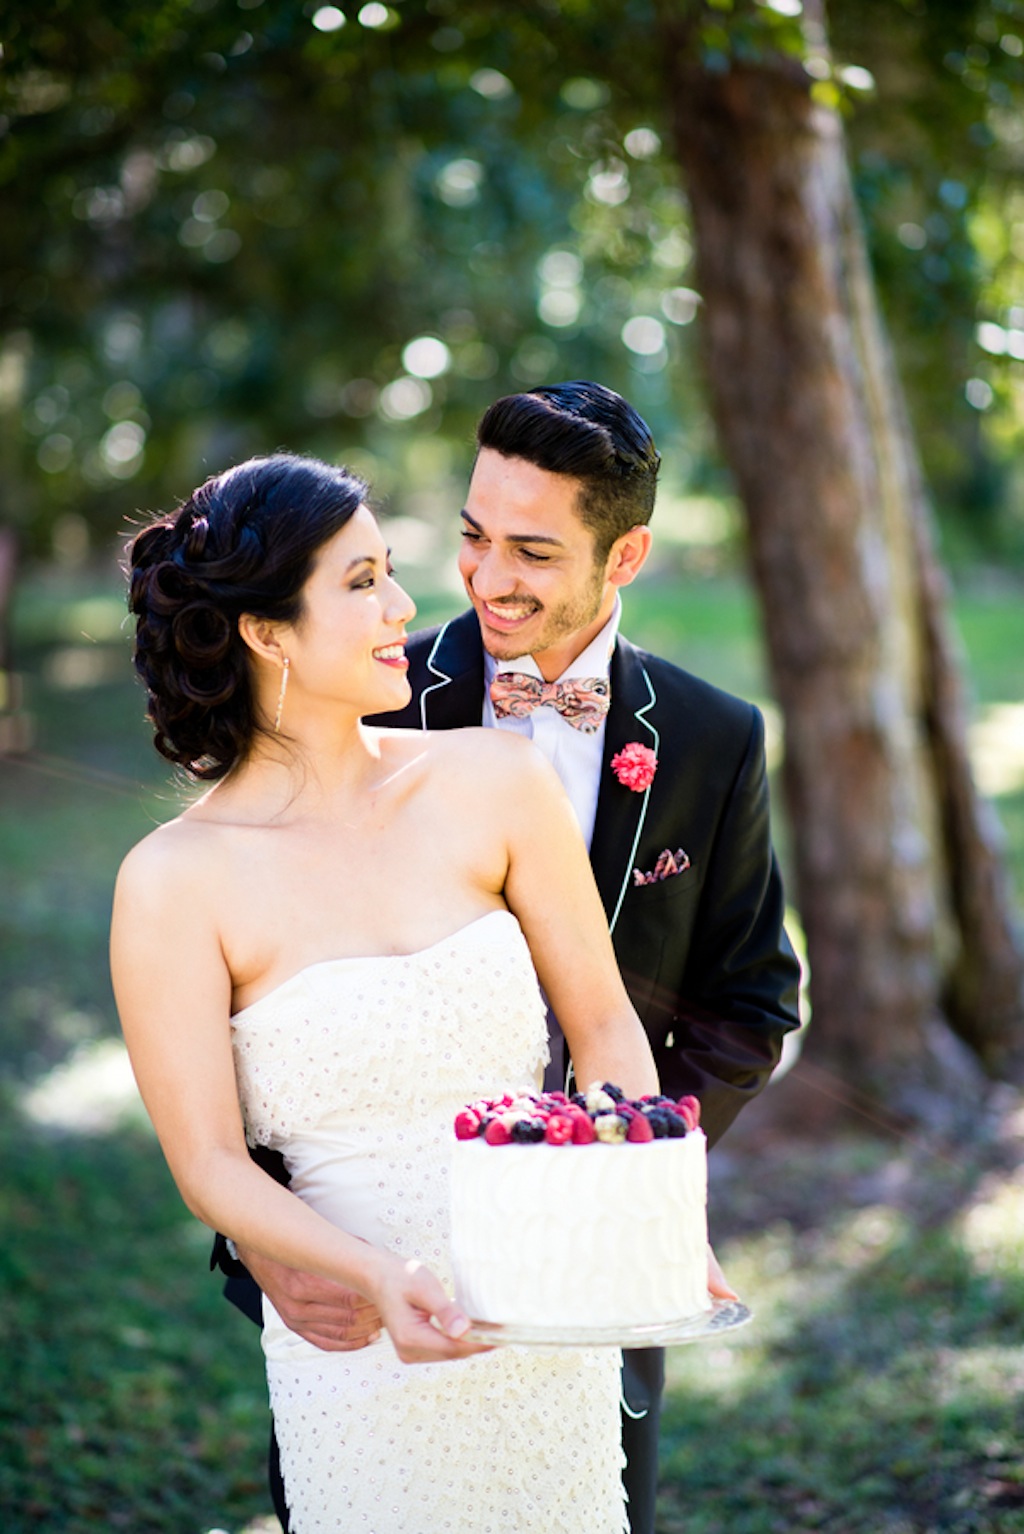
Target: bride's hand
<point x="409" y="1295"/>
<point x="331" y="1317"/>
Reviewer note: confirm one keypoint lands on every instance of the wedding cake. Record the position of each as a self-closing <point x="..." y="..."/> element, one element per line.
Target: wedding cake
<point x="584" y="1213"/>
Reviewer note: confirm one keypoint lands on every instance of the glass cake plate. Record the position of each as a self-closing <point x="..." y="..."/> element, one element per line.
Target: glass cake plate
<point x="724" y="1316"/>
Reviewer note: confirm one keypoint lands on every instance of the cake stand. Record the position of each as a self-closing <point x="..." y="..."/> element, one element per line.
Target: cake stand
<point x="724" y="1316"/>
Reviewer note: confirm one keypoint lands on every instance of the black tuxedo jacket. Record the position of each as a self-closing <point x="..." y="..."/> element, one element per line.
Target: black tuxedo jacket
<point x="703" y="954"/>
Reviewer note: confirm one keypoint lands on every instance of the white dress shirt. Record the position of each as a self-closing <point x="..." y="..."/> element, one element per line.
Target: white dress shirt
<point x="574" y="755"/>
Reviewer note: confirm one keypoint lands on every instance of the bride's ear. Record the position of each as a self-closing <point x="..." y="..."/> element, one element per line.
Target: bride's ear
<point x="260" y="635"/>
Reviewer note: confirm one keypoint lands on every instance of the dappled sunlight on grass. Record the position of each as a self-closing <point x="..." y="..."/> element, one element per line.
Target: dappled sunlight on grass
<point x="997" y="748"/>
<point x="992" y="1228"/>
<point x="91" y="1092"/>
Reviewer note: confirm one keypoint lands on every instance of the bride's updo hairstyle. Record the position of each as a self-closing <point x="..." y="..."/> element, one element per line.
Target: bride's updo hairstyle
<point x="244" y="542"/>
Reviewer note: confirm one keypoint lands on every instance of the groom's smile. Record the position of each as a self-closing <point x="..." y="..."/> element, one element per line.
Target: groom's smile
<point x="509" y="614"/>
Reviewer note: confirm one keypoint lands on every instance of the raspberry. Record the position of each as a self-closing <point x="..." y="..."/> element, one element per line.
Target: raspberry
<point x="496" y="1133"/>
<point x="688" y="1109"/>
<point x="639" y="1130"/>
<point x="559" y="1129"/>
<point x="468" y="1124"/>
<point x="583" y="1131"/>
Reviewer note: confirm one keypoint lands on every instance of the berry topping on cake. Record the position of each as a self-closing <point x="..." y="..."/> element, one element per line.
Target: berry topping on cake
<point x="528" y="1131"/>
<point x="583" y="1131"/>
<point x="688" y="1109"/>
<point x="598" y="1100"/>
<point x="467" y="1124"/>
<point x="602" y="1113"/>
<point x="558" y="1129"/>
<point x="611" y="1129"/>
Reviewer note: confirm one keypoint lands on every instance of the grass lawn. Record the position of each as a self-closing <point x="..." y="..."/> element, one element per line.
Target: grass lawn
<point x="878" y="1392"/>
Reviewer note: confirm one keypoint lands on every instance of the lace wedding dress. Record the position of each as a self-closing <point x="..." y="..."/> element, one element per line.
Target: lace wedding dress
<point x="354" y="1070"/>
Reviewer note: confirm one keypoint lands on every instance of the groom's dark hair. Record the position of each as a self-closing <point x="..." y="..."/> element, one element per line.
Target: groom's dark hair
<point x="590" y="433"/>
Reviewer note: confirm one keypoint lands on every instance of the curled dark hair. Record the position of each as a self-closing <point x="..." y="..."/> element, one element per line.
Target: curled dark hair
<point x="590" y="433"/>
<point x="244" y="542"/>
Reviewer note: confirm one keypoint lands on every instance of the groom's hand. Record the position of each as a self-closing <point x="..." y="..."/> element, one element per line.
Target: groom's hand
<point x="717" y="1284"/>
<point x="331" y="1317"/>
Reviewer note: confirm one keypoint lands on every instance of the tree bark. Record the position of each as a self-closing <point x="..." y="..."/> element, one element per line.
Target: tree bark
<point x="907" y="916"/>
<point x="8" y="566"/>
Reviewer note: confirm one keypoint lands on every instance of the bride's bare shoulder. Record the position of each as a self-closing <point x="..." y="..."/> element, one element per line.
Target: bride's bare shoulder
<point x="176" y="859"/>
<point x="490" y="759"/>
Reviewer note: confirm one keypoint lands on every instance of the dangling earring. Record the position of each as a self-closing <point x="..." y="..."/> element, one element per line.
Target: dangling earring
<point x="280" y="696"/>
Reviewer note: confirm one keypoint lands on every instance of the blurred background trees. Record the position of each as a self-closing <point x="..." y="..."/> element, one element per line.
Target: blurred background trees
<point x="226" y="222"/>
<point x="236" y="224"/>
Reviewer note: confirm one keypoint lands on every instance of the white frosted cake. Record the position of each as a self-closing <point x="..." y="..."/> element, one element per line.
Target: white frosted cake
<point x="585" y="1213"/>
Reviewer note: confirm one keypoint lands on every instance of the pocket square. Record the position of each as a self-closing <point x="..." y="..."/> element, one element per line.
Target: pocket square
<point x="668" y="865"/>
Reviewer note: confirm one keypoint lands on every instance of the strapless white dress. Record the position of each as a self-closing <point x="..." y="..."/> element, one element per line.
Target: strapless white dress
<point x="354" y="1070"/>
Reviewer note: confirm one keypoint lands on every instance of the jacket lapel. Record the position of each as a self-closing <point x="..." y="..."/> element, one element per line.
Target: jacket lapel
<point x="453" y="698"/>
<point x="453" y="694"/>
<point x="621" y="811"/>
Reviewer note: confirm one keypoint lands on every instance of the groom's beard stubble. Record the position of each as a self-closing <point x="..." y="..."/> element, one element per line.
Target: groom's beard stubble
<point x="556" y="623"/>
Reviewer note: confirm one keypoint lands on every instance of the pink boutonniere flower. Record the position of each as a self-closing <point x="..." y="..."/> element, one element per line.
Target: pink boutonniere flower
<point x="635" y="766"/>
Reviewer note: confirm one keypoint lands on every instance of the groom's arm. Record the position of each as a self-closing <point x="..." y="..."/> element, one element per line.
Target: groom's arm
<point x="736" y="997"/>
<point x="322" y="1312"/>
<point x="240" y="1287"/>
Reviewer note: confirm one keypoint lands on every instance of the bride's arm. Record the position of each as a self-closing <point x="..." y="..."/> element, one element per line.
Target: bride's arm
<point x="550" y="887"/>
<point x="173" y="993"/>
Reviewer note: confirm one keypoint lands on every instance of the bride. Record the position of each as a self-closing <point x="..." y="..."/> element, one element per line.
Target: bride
<point x="329" y="953"/>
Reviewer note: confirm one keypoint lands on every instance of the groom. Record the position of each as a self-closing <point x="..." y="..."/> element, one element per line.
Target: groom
<point x="666" y="775"/>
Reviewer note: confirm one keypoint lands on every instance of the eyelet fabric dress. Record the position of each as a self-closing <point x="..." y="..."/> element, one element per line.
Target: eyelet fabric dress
<point x="354" y="1069"/>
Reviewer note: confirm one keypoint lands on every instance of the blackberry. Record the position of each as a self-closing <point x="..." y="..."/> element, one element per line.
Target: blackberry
<point x="527" y="1131"/>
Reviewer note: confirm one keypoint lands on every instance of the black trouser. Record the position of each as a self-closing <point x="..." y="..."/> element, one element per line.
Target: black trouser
<point x="643" y="1378"/>
<point x="276" y="1482"/>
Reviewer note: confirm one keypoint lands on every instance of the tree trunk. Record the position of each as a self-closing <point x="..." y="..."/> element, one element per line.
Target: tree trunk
<point x="899" y="885"/>
<point x="15" y="725"/>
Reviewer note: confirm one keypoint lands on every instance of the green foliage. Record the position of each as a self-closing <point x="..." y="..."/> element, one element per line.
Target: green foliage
<point x="226" y="222"/>
<point x="241" y="238"/>
<point x="936" y="157"/>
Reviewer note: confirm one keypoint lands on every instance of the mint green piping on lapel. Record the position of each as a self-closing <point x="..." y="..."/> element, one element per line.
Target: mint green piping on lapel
<point x="445" y="679"/>
<point x="639" y="715"/>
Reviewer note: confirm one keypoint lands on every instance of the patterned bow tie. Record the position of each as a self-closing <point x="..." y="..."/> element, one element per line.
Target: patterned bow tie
<point x="582" y="701"/>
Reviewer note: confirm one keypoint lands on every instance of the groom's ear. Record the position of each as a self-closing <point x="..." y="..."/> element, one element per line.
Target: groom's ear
<point x="261" y="637"/>
<point x="628" y="555"/>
